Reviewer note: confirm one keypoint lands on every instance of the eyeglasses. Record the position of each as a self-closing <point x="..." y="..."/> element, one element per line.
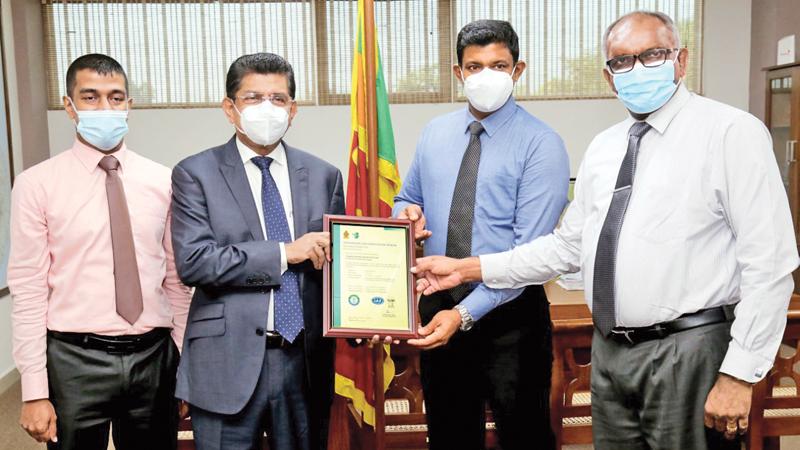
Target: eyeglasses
<point x="257" y="99"/>
<point x="653" y="57"/>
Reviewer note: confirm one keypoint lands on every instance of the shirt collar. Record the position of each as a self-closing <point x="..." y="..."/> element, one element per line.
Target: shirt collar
<point x="661" y="118"/>
<point x="247" y="154"/>
<point x="90" y="157"/>
<point x="495" y="120"/>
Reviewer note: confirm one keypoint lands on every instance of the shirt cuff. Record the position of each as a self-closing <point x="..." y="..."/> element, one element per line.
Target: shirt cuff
<point x="34" y="386"/>
<point x="745" y="365"/>
<point x="494" y="270"/>
<point x="477" y="305"/>
<point x="284" y="262"/>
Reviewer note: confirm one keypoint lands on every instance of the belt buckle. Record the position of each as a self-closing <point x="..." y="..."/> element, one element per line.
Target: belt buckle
<point x="626" y="333"/>
<point x="121" y="349"/>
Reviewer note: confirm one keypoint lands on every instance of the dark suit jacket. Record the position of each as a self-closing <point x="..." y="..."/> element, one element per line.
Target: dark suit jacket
<point x="220" y="250"/>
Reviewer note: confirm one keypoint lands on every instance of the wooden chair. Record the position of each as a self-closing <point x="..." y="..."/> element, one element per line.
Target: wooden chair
<point x="775" y="410"/>
<point x="570" y="397"/>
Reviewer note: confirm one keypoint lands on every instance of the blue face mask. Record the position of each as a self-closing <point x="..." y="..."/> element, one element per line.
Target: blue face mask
<point x="646" y="89"/>
<point x="103" y="129"/>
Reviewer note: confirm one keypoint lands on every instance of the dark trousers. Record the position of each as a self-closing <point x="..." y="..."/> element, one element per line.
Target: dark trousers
<point x="651" y="396"/>
<point x="506" y="359"/>
<point x="134" y="393"/>
<point x="278" y="405"/>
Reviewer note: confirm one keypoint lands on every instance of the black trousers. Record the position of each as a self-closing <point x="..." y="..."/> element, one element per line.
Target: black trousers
<point x="505" y="360"/>
<point x="135" y="393"/>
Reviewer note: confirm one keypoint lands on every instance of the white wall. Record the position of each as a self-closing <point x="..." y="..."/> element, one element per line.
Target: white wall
<point x="169" y="135"/>
<point x="7" y="369"/>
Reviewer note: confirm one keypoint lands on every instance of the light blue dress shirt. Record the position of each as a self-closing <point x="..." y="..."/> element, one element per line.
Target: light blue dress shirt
<point x="522" y="186"/>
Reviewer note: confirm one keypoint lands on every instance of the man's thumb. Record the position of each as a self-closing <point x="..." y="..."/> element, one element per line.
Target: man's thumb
<point x="427" y="329"/>
<point x="52" y="430"/>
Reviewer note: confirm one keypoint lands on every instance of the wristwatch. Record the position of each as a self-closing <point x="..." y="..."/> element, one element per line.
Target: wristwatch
<point x="466" y="318"/>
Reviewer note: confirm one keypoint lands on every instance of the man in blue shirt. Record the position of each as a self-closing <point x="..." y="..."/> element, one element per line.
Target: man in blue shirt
<point x="485" y="179"/>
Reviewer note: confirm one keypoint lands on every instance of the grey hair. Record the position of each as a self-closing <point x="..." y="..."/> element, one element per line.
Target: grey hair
<point x="664" y="18"/>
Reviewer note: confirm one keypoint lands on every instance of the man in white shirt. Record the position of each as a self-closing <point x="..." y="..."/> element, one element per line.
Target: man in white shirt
<point x="680" y="222"/>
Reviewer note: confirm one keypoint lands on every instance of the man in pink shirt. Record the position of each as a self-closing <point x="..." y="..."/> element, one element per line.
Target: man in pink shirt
<point x="93" y="282"/>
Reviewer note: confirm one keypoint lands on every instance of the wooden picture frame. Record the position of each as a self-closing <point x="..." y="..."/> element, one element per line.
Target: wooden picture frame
<point x="382" y="302"/>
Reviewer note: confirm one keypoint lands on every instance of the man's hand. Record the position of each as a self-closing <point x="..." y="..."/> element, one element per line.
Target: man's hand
<point x="38" y="418"/>
<point x="183" y="409"/>
<point x="437" y="273"/>
<point x="311" y="246"/>
<point x="728" y="406"/>
<point x="439" y="330"/>
<point x="414" y="214"/>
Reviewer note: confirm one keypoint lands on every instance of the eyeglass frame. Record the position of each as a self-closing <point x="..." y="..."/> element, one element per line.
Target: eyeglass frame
<point x="638" y="57"/>
<point x="271" y="97"/>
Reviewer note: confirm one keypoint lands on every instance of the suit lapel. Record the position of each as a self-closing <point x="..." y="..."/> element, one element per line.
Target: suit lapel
<point x="233" y="171"/>
<point x="298" y="181"/>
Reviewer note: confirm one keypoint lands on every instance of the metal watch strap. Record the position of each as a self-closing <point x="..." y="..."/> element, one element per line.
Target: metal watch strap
<point x="466" y="318"/>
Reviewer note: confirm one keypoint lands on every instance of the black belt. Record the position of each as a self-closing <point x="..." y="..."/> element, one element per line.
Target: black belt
<point x="114" y="345"/>
<point x="633" y="336"/>
<point x="275" y="340"/>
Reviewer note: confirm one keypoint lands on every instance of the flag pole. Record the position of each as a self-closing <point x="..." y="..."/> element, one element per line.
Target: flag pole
<point x="372" y="109"/>
<point x="372" y="171"/>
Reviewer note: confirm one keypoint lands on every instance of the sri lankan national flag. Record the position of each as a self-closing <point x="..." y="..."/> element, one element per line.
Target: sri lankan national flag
<point x="354" y="366"/>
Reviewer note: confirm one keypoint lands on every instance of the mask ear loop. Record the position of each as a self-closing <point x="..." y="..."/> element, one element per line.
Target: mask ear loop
<point x="75" y="110"/>
<point x="240" y="118"/>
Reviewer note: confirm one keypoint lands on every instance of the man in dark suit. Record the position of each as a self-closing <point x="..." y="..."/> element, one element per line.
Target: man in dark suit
<point x="247" y="221"/>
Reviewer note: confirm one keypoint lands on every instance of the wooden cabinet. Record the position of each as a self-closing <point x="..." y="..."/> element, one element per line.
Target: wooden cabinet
<point x="783" y="121"/>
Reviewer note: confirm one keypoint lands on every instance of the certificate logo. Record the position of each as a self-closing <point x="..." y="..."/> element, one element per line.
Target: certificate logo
<point x="353" y="300"/>
<point x="377" y="300"/>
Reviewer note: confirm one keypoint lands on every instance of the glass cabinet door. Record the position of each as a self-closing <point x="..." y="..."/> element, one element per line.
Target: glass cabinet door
<point x="780" y="125"/>
<point x="783" y="121"/>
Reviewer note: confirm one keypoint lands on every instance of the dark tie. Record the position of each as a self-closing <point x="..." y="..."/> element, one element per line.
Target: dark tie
<point x="288" y="311"/>
<point x="603" y="295"/>
<point x="126" y="272"/>
<point x="462" y="209"/>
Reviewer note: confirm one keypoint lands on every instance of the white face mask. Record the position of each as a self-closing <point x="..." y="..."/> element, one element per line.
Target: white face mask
<point x="265" y="123"/>
<point x="488" y="89"/>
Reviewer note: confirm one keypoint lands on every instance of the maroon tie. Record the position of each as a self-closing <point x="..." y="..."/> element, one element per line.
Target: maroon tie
<point x="126" y="272"/>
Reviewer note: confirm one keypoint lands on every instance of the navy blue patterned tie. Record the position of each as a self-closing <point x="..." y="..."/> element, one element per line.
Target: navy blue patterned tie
<point x="288" y="311"/>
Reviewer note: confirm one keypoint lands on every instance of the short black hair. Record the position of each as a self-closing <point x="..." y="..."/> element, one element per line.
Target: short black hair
<point x="485" y="32"/>
<point x="102" y="64"/>
<point x="263" y="63"/>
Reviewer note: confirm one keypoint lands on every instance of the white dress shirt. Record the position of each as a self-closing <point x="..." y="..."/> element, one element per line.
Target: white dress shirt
<point x="708" y="224"/>
<point x="280" y="173"/>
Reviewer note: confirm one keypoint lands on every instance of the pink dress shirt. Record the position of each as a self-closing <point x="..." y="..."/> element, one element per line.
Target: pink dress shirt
<point x="61" y="266"/>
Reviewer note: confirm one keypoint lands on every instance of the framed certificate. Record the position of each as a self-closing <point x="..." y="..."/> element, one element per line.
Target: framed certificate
<point x="368" y="288"/>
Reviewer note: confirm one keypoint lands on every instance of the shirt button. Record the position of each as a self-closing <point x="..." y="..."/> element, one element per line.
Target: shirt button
<point x="259" y="331"/>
